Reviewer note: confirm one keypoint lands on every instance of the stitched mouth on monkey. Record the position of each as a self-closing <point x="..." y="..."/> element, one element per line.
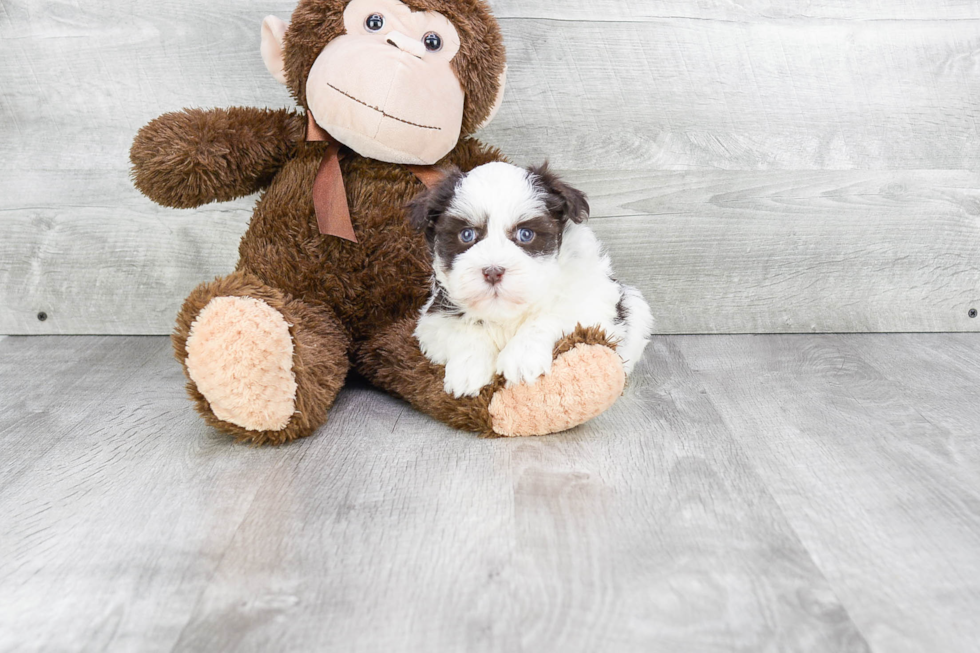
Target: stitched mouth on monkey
<point x="383" y="113"/>
<point x="385" y="103"/>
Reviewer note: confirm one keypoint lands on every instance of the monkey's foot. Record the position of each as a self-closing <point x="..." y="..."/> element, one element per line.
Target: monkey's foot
<point x="240" y="356"/>
<point x="261" y="366"/>
<point x="586" y="378"/>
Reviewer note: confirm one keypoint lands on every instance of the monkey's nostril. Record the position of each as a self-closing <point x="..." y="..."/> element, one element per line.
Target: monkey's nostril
<point x="493" y="274"/>
<point x="405" y="44"/>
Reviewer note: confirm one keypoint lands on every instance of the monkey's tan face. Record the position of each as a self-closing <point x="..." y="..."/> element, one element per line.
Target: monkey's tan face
<point x="386" y="85"/>
<point x="386" y="88"/>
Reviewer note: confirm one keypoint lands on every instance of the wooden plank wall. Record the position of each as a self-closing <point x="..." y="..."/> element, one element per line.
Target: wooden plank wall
<point x="754" y="165"/>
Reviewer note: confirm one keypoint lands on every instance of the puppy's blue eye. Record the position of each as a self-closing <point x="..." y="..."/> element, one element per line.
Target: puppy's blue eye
<point x="467" y="235"/>
<point x="525" y="236"/>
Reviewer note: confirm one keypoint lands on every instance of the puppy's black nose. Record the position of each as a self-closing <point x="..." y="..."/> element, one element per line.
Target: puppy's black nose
<point x="493" y="274"/>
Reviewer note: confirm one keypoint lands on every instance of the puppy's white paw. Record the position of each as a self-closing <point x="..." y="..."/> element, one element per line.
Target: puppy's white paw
<point x="524" y="360"/>
<point x="467" y="374"/>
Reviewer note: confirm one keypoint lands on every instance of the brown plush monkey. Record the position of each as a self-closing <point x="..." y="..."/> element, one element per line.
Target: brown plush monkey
<point x="385" y="87"/>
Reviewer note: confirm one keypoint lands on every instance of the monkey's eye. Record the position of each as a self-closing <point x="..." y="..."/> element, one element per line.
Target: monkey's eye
<point x="467" y="235"/>
<point x="433" y="42"/>
<point x="525" y="236"/>
<point x="374" y="22"/>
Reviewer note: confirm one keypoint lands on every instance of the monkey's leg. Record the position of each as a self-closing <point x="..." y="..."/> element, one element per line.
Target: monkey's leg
<point x="260" y="365"/>
<point x="586" y="378"/>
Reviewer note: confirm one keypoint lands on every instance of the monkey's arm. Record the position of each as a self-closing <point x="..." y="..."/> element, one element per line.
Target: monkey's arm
<point x="195" y="156"/>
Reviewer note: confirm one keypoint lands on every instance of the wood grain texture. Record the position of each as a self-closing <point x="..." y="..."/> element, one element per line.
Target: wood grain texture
<point x="738" y="10"/>
<point x="678" y="94"/>
<point x="796" y="252"/>
<point x="62" y="382"/>
<point x="653" y="92"/>
<point x="647" y="529"/>
<point x="747" y="493"/>
<point x="119" y="502"/>
<point x="713" y="252"/>
<point x="106" y="267"/>
<point x="535" y="545"/>
<point x="869" y="445"/>
<point x="813" y="151"/>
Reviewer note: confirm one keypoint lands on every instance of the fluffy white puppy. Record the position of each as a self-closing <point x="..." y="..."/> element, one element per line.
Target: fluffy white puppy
<point x="514" y="271"/>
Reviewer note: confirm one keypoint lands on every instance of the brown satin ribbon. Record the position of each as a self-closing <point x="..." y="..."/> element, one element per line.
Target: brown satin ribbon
<point x="329" y="195"/>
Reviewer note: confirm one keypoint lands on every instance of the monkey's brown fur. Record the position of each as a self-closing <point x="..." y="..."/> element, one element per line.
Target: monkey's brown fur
<point x="346" y="303"/>
<point x="320" y="361"/>
<point x="478" y="63"/>
<point x="392" y="360"/>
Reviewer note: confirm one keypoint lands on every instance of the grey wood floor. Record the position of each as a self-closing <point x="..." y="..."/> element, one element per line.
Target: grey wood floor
<point x="748" y="493"/>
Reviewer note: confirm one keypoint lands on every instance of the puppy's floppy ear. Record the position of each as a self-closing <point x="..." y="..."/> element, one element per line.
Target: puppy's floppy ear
<point x="563" y="201"/>
<point x="424" y="211"/>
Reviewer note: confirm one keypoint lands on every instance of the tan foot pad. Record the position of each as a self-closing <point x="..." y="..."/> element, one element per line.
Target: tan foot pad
<point x="240" y="355"/>
<point x="583" y="383"/>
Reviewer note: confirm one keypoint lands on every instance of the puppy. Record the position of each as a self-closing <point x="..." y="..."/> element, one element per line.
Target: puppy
<point x="515" y="270"/>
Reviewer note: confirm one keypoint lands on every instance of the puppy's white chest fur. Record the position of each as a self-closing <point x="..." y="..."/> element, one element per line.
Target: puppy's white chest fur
<point x="513" y="272"/>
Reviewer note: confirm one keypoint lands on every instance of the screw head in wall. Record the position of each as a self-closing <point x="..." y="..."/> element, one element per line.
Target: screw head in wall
<point x="973" y="312"/>
<point x="42" y="316"/>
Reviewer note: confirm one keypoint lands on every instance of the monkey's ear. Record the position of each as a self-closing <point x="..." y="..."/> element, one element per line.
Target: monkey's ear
<point x="273" y="35"/>
<point x="499" y="101"/>
<point x="426" y="209"/>
<point x="563" y="201"/>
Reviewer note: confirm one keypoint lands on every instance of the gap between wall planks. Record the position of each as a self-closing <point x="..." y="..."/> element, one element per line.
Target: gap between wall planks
<point x="714" y="252"/>
<point x="772" y="167"/>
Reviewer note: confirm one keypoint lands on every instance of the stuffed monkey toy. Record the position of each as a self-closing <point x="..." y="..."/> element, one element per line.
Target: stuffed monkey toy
<point x="330" y="276"/>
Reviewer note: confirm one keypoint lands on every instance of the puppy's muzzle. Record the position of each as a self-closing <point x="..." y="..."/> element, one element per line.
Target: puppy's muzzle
<point x="493" y="274"/>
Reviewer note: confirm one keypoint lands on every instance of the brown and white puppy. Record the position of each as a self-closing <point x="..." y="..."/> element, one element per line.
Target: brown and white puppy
<point x="514" y="270"/>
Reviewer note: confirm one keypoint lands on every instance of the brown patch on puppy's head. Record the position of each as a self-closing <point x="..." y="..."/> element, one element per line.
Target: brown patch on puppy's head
<point x="425" y="210"/>
<point x="564" y="202"/>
